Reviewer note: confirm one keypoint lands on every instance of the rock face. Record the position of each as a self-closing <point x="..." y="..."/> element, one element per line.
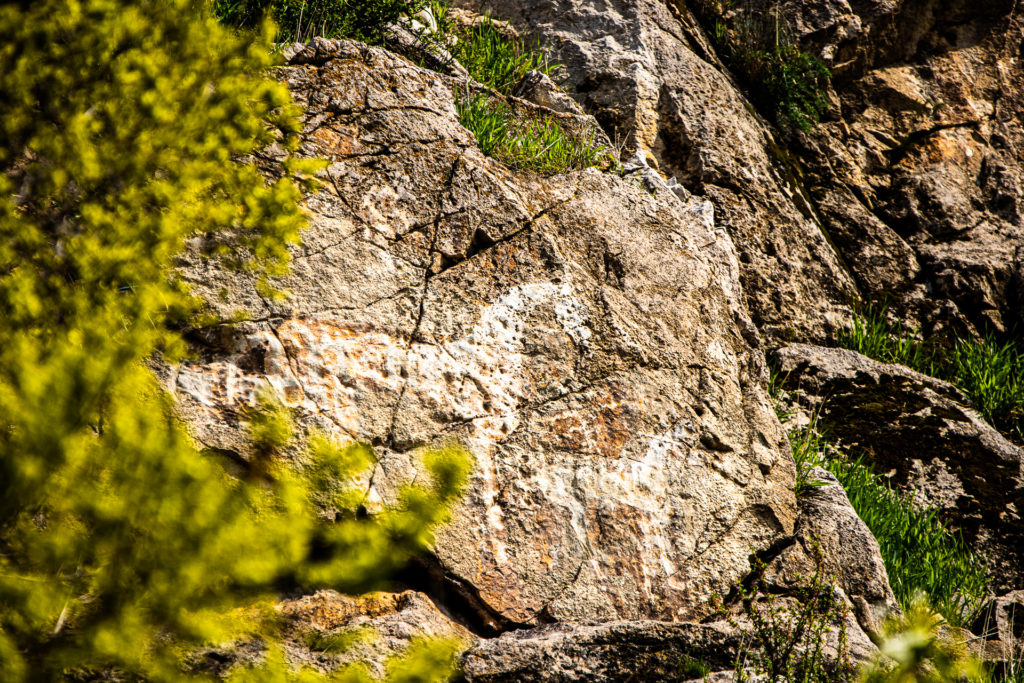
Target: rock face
<point x="372" y="627"/>
<point x="598" y="345"/>
<point x="587" y="341"/>
<point x="644" y="70"/>
<point x="389" y="620"/>
<point x="602" y="653"/>
<point x="910" y="191"/>
<point x="921" y="429"/>
<point x="923" y="161"/>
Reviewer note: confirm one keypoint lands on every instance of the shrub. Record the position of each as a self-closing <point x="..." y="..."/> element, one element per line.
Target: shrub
<point x="365" y="20"/>
<point x="121" y="545"/>
<point x="788" y="637"/>
<point x="759" y="47"/>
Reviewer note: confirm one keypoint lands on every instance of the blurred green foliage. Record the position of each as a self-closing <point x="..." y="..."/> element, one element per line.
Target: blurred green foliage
<point x="914" y="648"/>
<point x="121" y="545"/>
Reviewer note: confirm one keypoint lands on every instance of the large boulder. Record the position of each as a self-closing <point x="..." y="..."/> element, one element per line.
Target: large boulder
<point x="922" y="432"/>
<point x="586" y="340"/>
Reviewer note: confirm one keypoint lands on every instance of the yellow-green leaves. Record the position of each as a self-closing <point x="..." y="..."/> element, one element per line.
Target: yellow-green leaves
<point x="916" y="648"/>
<point x="124" y="132"/>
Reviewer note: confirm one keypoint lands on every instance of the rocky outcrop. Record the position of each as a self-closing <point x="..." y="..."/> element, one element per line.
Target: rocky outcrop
<point x="645" y="71"/>
<point x="603" y="653"/>
<point x="828" y="531"/>
<point x="586" y="340"/>
<point x="922" y="431"/>
<point x="923" y="159"/>
<point x="596" y="340"/>
<point x="910" y="191"/>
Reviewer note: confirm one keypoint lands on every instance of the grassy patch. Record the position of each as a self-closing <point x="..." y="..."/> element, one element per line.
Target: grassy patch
<point x="539" y="143"/>
<point x="989" y="372"/>
<point x="758" y="46"/>
<point x="920" y="552"/>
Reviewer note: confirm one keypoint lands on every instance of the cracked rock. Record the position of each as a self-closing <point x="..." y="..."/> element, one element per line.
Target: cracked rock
<point x="587" y="341"/>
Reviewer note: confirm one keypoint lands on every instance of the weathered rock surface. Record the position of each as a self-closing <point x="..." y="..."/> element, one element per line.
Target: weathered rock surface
<point x="644" y="70"/>
<point x="923" y="160"/>
<point x="587" y="341"/>
<point x="910" y="191"/>
<point x="922" y="431"/>
<point x="602" y="653"/>
<point x="1001" y="622"/>
<point x="828" y="526"/>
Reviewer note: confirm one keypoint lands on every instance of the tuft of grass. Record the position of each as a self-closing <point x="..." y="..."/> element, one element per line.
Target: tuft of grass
<point x="540" y="143"/>
<point x="921" y="553"/>
<point x="872" y="335"/>
<point x="759" y="46"/>
<point x="494" y="58"/>
<point x="989" y="372"/>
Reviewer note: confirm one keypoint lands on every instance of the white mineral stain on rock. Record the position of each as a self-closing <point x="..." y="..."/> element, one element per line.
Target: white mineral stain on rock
<point x="322" y="368"/>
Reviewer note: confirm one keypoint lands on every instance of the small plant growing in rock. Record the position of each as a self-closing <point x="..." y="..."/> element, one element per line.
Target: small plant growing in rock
<point x="540" y="143"/>
<point x="787" y="638"/>
<point x="758" y="45"/>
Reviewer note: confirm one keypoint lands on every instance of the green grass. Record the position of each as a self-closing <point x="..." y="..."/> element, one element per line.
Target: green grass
<point x="759" y="47"/>
<point x="920" y="552"/>
<point x="540" y="144"/>
<point x="988" y="371"/>
<point x="499" y="61"/>
<point x="991" y="373"/>
<point x="492" y="57"/>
